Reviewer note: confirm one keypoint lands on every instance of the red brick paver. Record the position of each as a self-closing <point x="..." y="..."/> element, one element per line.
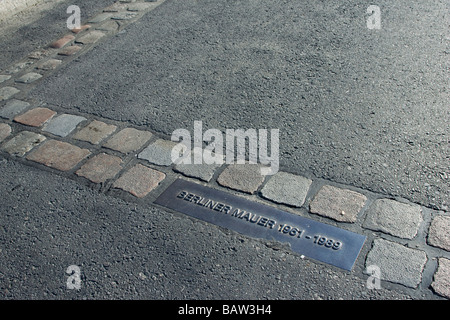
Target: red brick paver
<point x="35" y="117"/>
<point x="59" y="155"/>
<point x="128" y="140"/>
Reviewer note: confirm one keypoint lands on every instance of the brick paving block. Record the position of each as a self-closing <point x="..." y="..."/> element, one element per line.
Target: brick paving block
<point x="201" y="171"/>
<point x="395" y="218"/>
<point x="159" y="152"/>
<point x="7" y="92"/>
<point x="242" y="177"/>
<point x="338" y="204"/>
<point x="95" y="132"/>
<point x="100" y="168"/>
<point x="62" y="42"/>
<point x="50" y="64"/>
<point x="124" y="16"/>
<point x="128" y="140"/>
<point x="22" y="143"/>
<point x="139" y="180"/>
<point x="63" y="125"/>
<point x="397" y="263"/>
<point x="29" y="77"/>
<point x="70" y="50"/>
<point x="439" y="232"/>
<point x="91" y="37"/>
<point x="81" y="28"/>
<point x="12" y="108"/>
<point x="59" y="155"/>
<point x="287" y="188"/>
<point x="441" y="279"/>
<point x="35" y="117"/>
<point x="4" y="77"/>
<point x="5" y="131"/>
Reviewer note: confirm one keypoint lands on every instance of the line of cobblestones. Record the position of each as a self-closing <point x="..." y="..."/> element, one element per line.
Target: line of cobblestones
<point x="408" y="242"/>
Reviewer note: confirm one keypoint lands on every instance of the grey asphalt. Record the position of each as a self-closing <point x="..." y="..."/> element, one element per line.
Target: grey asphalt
<point x="363" y="107"/>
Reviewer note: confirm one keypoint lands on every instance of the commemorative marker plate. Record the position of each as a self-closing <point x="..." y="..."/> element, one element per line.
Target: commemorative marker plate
<point x="313" y="239"/>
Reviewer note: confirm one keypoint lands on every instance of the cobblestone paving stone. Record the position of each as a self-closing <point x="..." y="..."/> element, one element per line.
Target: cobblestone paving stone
<point x="7" y="92"/>
<point x="5" y="131"/>
<point x="59" y="155"/>
<point x="338" y="204"/>
<point x="101" y="168"/>
<point x="395" y="218"/>
<point x="23" y="142"/>
<point x="395" y="243"/>
<point x="128" y="140"/>
<point x="439" y="233"/>
<point x="12" y="108"/>
<point x="95" y="132"/>
<point x="35" y="117"/>
<point x="397" y="263"/>
<point x="139" y="180"/>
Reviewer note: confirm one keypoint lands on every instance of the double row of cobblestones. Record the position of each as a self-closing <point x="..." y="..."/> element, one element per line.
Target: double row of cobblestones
<point x="406" y="239"/>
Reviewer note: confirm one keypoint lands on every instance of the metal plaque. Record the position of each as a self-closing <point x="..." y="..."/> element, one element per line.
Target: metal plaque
<point x="310" y="238"/>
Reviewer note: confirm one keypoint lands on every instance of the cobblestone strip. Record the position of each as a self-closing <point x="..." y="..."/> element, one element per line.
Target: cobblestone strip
<point x="410" y="244"/>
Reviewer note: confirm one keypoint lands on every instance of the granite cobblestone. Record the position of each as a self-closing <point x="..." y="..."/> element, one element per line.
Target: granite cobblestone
<point x="399" y="263"/>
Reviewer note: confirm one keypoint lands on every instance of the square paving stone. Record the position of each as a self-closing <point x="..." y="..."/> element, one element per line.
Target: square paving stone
<point x="7" y="92"/>
<point x="128" y="140"/>
<point x="287" y="188"/>
<point x="12" y="108"/>
<point x="101" y="168"/>
<point x="397" y="263"/>
<point x="29" y="77"/>
<point x="159" y="152"/>
<point x="50" y="64"/>
<point x="35" y="117"/>
<point x="63" y="125"/>
<point x="441" y="279"/>
<point x="439" y="232"/>
<point x="139" y="180"/>
<point x="22" y="143"/>
<point x="91" y="37"/>
<point x="95" y="132"/>
<point x="5" y="131"/>
<point x="59" y="155"/>
<point x="202" y="171"/>
<point x="393" y="217"/>
<point x="242" y="177"/>
<point x="338" y="204"/>
<point x="4" y="77"/>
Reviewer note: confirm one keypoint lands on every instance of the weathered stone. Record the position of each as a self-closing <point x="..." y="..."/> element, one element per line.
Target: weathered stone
<point x="338" y="204"/>
<point x="242" y="177"/>
<point x="22" y="143"/>
<point x="397" y="263"/>
<point x="59" y="155"/>
<point x="139" y="180"/>
<point x="439" y="232"/>
<point x="286" y="188"/>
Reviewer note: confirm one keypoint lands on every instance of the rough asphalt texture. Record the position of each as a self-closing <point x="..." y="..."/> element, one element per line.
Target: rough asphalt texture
<point x="362" y="107"/>
<point x="129" y="250"/>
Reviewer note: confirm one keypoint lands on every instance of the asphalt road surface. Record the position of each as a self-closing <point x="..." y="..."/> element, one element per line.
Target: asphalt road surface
<point x="364" y="107"/>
